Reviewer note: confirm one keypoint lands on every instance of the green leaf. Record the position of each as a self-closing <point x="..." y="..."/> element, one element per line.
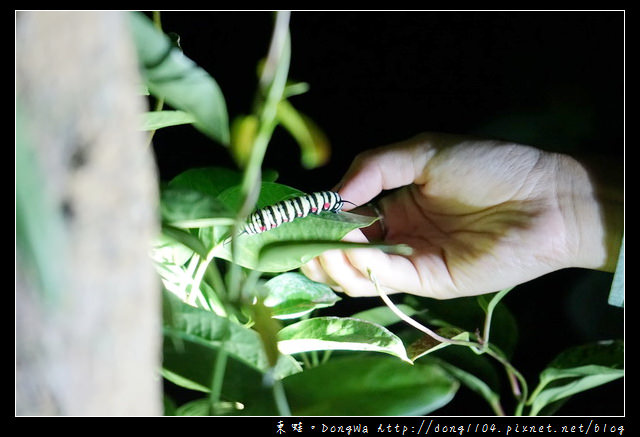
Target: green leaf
<point x="170" y="75"/>
<point x="175" y="241"/>
<point x="383" y="315"/>
<point x="270" y="193"/>
<point x="244" y="130"/>
<point x="172" y="249"/>
<point x="198" y="407"/>
<point x="475" y="384"/>
<point x="313" y="143"/>
<point x="208" y="180"/>
<point x="188" y="208"/>
<point x="369" y="386"/>
<point x="294" y="88"/>
<point x="578" y="369"/>
<point x="293" y="295"/>
<point x="336" y="333"/>
<point x="154" y="120"/>
<point x="211" y="330"/>
<point x="287" y="255"/>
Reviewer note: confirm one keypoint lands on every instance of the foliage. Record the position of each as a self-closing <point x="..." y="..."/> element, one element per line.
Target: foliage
<point x="257" y="346"/>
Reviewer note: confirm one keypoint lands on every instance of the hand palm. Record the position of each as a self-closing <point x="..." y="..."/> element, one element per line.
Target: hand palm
<point x="476" y="223"/>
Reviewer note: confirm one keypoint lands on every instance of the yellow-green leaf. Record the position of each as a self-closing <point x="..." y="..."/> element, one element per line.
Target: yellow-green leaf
<point x="314" y="145"/>
<point x="243" y="134"/>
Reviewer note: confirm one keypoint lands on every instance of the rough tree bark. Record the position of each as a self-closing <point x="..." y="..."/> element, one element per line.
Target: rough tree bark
<point x="95" y="347"/>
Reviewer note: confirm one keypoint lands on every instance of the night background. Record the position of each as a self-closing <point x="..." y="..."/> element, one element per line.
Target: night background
<point x="554" y="80"/>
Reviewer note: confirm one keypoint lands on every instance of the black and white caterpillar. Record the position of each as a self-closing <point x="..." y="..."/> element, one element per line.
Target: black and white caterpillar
<point x="288" y="210"/>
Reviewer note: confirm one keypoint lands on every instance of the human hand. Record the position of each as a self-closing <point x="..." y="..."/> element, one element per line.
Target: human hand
<point x="480" y="216"/>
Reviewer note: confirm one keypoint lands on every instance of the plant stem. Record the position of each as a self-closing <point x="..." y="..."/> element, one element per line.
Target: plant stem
<point x="325" y="356"/>
<point x="314" y="358"/>
<point x="305" y="360"/>
<point x="272" y="84"/>
<point x="281" y="398"/>
<point x="489" y="314"/>
<point x="515" y="377"/>
<point x="156" y="20"/>
<point x="218" y="376"/>
<point x="216" y="304"/>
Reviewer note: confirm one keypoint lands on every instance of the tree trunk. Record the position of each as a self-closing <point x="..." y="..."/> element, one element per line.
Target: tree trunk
<point x="88" y="337"/>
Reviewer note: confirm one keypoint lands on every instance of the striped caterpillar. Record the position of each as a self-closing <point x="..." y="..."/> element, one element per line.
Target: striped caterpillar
<point x="272" y="216"/>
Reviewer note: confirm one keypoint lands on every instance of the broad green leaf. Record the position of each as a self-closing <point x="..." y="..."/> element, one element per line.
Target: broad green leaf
<point x="369" y="386"/>
<point x="383" y="315"/>
<point x="336" y="333"/>
<point x="270" y="193"/>
<point x="188" y="208"/>
<point x="609" y="353"/>
<point x="176" y="240"/>
<point x="154" y="120"/>
<point x="287" y="255"/>
<point x="211" y="330"/>
<point x="578" y="369"/>
<point x="208" y="180"/>
<point x="593" y="377"/>
<point x="169" y="74"/>
<point x="293" y="295"/>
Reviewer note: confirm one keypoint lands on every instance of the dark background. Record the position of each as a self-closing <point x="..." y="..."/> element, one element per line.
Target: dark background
<point x="549" y="79"/>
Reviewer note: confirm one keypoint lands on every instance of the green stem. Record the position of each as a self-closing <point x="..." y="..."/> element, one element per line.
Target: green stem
<point x="489" y="314"/>
<point x="213" y="301"/>
<point x="325" y="356"/>
<point x="314" y="358"/>
<point x="218" y="376"/>
<point x="156" y="20"/>
<point x="272" y="84"/>
<point x="305" y="360"/>
<point x="281" y="398"/>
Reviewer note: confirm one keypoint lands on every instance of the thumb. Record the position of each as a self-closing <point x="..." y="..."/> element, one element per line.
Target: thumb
<point x="384" y="168"/>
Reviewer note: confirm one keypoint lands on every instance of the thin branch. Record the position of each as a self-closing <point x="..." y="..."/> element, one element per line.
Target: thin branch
<point x="518" y="383"/>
